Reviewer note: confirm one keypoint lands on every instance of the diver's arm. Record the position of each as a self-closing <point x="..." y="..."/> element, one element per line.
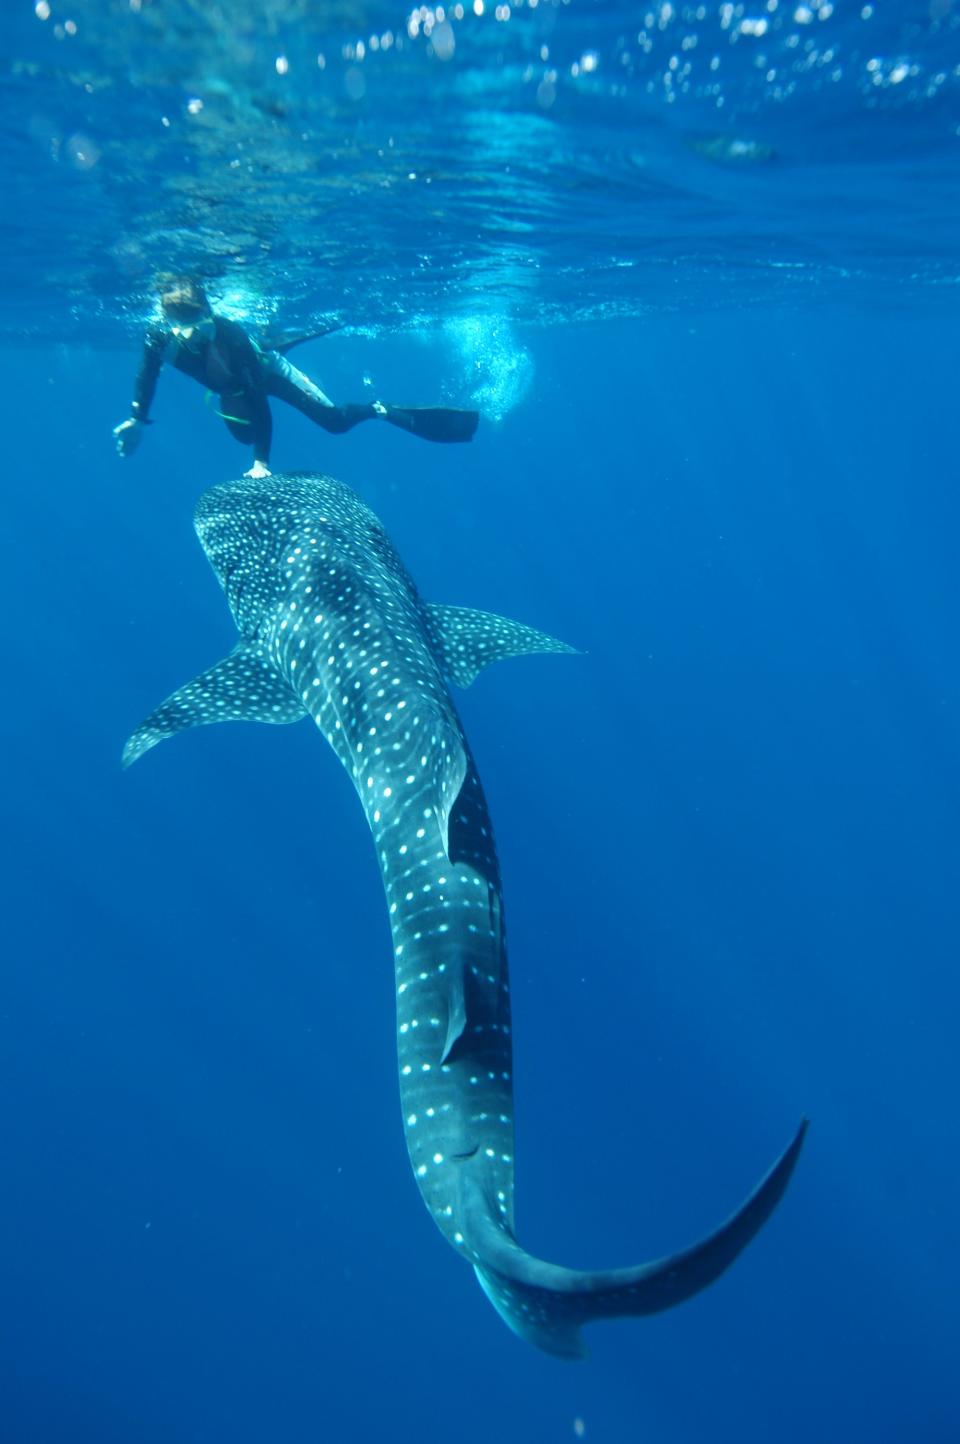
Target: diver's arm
<point x="130" y="432"/>
<point x="154" y="346"/>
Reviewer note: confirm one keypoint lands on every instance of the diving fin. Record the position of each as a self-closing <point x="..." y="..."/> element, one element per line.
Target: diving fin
<point x="434" y="423"/>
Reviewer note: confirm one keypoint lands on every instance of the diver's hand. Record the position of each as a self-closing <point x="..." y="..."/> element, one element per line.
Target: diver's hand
<point x="129" y="434"/>
<point x="257" y="471"/>
<point x="379" y="408"/>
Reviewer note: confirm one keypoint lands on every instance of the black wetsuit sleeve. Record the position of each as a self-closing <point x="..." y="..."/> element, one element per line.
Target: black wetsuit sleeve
<point x="154" y="345"/>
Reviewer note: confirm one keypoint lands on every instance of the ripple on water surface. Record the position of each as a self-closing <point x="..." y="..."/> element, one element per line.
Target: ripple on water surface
<point x="539" y="161"/>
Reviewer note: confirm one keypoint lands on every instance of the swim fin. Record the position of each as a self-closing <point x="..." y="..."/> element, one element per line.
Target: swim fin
<point x="434" y="423"/>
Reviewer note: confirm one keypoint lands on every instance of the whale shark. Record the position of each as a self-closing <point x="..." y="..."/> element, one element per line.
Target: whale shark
<point x="332" y="627"/>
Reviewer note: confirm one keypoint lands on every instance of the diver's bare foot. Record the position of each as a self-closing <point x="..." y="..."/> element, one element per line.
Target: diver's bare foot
<point x="257" y="472"/>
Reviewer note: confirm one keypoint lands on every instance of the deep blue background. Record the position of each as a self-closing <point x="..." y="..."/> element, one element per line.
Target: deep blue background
<point x="729" y="840"/>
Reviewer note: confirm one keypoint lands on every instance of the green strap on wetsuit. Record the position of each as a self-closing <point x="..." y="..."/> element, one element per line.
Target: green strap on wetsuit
<point x="240" y="420"/>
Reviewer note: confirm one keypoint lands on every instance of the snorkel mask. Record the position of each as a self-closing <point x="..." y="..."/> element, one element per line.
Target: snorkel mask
<point x="191" y="331"/>
<point x="187" y="313"/>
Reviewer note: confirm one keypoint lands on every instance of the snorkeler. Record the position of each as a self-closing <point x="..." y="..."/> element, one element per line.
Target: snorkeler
<point x="221" y="356"/>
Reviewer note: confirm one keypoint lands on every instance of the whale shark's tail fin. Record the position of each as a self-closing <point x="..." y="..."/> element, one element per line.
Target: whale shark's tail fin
<point x="547" y="1305"/>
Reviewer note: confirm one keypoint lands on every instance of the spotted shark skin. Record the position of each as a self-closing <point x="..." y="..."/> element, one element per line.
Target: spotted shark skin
<point x="332" y="627"/>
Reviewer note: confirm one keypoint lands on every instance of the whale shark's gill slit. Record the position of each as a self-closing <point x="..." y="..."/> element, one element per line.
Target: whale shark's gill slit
<point x="463" y="1157"/>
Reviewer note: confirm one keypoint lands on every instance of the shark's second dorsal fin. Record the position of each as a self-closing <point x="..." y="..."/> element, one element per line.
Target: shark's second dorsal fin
<point x="456" y="990"/>
<point x="466" y="640"/>
<point x="241" y="688"/>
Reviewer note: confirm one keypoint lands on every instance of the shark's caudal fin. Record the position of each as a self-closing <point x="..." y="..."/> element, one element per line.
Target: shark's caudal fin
<point x="466" y="640"/>
<point x="547" y="1305"/>
<point x="241" y="688"/>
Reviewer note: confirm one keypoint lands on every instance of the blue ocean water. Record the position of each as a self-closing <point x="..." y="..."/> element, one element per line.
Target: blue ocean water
<point x="709" y="314"/>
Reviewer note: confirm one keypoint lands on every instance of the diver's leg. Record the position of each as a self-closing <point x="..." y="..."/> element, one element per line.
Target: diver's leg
<point x="431" y="423"/>
<point x="247" y="417"/>
<point x="292" y="386"/>
<point x="239" y="430"/>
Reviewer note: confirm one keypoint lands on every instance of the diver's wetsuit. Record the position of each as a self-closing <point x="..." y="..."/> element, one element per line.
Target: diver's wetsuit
<point x="243" y="376"/>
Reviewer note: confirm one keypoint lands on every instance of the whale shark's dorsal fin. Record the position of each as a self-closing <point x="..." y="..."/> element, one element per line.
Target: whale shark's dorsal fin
<point x="241" y="688"/>
<point x="466" y="640"/>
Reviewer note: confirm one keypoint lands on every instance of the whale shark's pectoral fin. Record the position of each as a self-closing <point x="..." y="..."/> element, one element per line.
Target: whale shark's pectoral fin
<point x="466" y="640"/>
<point x="242" y="688"/>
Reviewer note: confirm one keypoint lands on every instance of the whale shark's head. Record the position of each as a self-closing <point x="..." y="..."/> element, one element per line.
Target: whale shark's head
<point x="244" y="530"/>
<point x="253" y="532"/>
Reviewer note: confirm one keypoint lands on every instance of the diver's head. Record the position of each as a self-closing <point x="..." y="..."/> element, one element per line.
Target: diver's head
<point x="187" y="312"/>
